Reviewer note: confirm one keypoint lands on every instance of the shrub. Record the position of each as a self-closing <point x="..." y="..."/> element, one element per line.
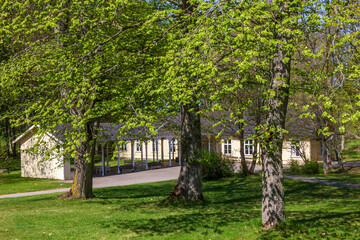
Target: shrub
<point x="9" y="163"/>
<point x="311" y="167"/>
<point x="294" y="166"/>
<point x="215" y="166"/>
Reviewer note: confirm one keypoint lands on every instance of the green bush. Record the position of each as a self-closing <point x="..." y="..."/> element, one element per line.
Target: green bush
<point x="215" y="166"/>
<point x="9" y="163"/>
<point x="310" y="167"/>
<point x="294" y="166"/>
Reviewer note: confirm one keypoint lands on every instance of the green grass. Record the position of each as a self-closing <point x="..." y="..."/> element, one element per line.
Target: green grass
<point x="348" y="176"/>
<point x="232" y="210"/>
<point x="13" y="183"/>
<point x="352" y="150"/>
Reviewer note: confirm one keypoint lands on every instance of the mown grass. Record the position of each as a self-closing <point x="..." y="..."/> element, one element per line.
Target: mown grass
<point x="352" y="150"/>
<point x="232" y="210"/>
<point x="13" y="183"/>
<point x="350" y="175"/>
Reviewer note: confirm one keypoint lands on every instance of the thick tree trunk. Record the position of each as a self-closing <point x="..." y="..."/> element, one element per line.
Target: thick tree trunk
<point x="189" y="185"/>
<point x="273" y="205"/>
<point x="82" y="183"/>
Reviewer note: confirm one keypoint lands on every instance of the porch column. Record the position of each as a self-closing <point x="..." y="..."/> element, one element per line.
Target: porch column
<point x="173" y="149"/>
<point x="209" y="144"/>
<point x="107" y="156"/>
<point x="102" y="160"/>
<point x="162" y="149"/>
<point x="119" y="159"/>
<point x="157" y="149"/>
<point x="153" y="150"/>
<point x="146" y="155"/>
<point x="179" y="152"/>
<point x="142" y="155"/>
<point x="132" y="154"/>
<point x="169" y="141"/>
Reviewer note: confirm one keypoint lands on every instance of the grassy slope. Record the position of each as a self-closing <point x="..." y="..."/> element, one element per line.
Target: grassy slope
<point x="232" y="211"/>
<point x="352" y="150"/>
<point x="13" y="183"/>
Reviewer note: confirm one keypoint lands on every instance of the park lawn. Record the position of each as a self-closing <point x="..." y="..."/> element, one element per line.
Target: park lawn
<point x="13" y="183"/>
<point x="232" y="210"/>
<point x="350" y="175"/>
<point x="352" y="150"/>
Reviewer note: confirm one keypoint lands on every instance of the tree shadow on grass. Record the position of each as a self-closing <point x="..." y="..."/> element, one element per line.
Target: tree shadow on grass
<point x="185" y="223"/>
<point x="317" y="224"/>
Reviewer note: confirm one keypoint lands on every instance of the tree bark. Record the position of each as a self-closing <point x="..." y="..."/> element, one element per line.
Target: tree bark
<point x="324" y="155"/>
<point x="189" y="184"/>
<point x="244" y="167"/>
<point x="273" y="205"/>
<point x="82" y="183"/>
<point x="254" y="158"/>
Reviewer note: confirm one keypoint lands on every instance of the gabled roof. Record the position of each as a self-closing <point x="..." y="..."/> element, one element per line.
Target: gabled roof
<point x="33" y="129"/>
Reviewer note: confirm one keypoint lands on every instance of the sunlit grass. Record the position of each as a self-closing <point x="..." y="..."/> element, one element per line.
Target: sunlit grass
<point x="13" y="183"/>
<point x="232" y="210"/>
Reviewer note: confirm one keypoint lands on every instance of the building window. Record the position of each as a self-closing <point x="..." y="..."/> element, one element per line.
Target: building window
<point x="138" y="146"/>
<point x="154" y="145"/>
<point x="295" y="149"/>
<point x="72" y="164"/>
<point x="227" y="146"/>
<point x="123" y="147"/>
<point x="249" y="146"/>
<point x="173" y="145"/>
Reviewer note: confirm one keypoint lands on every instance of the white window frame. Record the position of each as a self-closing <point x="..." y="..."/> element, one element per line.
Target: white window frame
<point x="173" y="144"/>
<point x="123" y="147"/>
<point x="155" y="145"/>
<point x="227" y="143"/>
<point x="294" y="152"/>
<point x="72" y="160"/>
<point x="249" y="147"/>
<point x="138" y="146"/>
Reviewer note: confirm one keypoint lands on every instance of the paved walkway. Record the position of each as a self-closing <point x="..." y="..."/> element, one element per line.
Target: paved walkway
<point x="156" y="175"/>
<point x="329" y="182"/>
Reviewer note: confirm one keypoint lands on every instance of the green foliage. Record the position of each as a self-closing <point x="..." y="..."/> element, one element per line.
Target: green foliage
<point x="215" y="166"/>
<point x="309" y="167"/>
<point x="9" y="162"/>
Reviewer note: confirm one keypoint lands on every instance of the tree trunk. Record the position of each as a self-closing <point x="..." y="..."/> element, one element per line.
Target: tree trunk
<point x="189" y="185"/>
<point x="324" y="155"/>
<point x="273" y="205"/>
<point x="338" y="152"/>
<point x="254" y="158"/>
<point x="244" y="167"/>
<point x="82" y="183"/>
